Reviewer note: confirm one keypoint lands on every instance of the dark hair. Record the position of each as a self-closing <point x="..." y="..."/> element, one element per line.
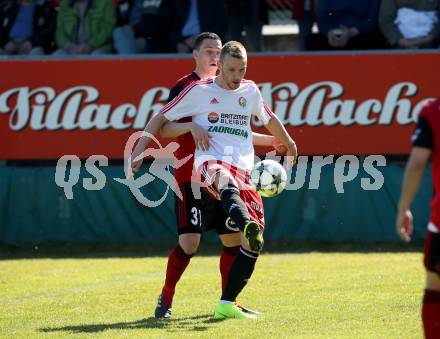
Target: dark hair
<point x="234" y="49"/>
<point x="203" y="36"/>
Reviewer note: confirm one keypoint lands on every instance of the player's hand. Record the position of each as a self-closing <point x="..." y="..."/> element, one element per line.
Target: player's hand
<point x="200" y="136"/>
<point x="292" y="153"/>
<point x="135" y="163"/>
<point x="404" y="225"/>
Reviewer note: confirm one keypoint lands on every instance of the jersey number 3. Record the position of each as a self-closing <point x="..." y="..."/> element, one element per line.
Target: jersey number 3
<point x="196" y="216"/>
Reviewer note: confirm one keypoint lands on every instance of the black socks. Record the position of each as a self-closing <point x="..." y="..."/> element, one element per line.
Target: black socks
<point x="234" y="206"/>
<point x="241" y="271"/>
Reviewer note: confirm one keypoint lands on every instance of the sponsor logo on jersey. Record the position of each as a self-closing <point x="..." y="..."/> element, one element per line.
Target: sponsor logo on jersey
<point x="234" y="119"/>
<point x="213" y="117"/>
<point x="242" y="102"/>
<point x="256" y="207"/>
<point x="214" y="101"/>
<point x="229" y="130"/>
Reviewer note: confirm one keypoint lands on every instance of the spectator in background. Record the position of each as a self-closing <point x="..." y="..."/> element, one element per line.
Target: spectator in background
<point x="126" y="39"/>
<point x="304" y="12"/>
<point x="85" y="27"/>
<point x="248" y="16"/>
<point x="346" y="24"/>
<point x="27" y="27"/>
<point x="410" y="23"/>
<point x="140" y="28"/>
<point x="187" y="18"/>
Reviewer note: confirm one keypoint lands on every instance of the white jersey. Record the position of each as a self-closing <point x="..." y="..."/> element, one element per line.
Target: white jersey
<point x="226" y="115"/>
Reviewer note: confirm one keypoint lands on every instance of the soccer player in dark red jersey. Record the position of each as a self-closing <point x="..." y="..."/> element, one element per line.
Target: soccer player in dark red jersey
<point x="426" y="144"/>
<point x="195" y="216"/>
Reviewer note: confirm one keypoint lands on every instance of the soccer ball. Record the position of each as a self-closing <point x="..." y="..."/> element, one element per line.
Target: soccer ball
<point x="268" y="178"/>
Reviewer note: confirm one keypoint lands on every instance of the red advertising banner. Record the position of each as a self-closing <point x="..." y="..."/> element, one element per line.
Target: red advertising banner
<point x="330" y="103"/>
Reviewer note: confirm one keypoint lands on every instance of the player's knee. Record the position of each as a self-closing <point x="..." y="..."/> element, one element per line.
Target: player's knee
<point x="432" y="281"/>
<point x="231" y="239"/>
<point x="189" y="243"/>
<point x="189" y="248"/>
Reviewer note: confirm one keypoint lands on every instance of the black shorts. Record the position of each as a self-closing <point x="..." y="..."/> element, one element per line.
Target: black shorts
<point x="431" y="257"/>
<point x="201" y="215"/>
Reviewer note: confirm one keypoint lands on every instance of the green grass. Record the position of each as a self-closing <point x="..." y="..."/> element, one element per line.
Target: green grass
<point x="310" y="295"/>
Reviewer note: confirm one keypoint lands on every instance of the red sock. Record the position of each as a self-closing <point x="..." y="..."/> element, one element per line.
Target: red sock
<point x="431" y="314"/>
<point x="178" y="260"/>
<point x="227" y="258"/>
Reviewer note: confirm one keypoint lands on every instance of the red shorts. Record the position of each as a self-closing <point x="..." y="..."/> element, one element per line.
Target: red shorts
<point x="240" y="179"/>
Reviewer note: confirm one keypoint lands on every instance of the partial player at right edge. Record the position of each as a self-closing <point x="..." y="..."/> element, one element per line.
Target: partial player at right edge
<point x="426" y="143"/>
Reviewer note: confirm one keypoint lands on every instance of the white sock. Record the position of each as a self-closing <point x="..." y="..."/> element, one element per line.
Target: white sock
<point x="226" y="302"/>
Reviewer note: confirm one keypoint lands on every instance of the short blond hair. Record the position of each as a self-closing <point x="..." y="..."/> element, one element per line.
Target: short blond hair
<point x="234" y="49"/>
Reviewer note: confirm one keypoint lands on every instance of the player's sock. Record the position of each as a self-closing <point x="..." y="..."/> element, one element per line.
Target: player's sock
<point x="227" y="258"/>
<point x="239" y="275"/>
<point x="178" y="260"/>
<point x="234" y="206"/>
<point x="431" y="314"/>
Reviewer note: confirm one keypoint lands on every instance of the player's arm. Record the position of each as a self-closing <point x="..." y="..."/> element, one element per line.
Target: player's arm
<point x="419" y="157"/>
<point x="414" y="170"/>
<point x="201" y="137"/>
<point x="152" y="128"/>
<point x="259" y="139"/>
<point x="276" y="128"/>
<point x="173" y="129"/>
<point x="180" y="107"/>
<point x="274" y="125"/>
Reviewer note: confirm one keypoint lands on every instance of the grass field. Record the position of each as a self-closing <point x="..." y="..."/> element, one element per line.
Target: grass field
<point x="310" y="295"/>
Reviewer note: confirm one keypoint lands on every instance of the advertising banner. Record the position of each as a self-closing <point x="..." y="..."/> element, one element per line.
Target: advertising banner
<point x="329" y="103"/>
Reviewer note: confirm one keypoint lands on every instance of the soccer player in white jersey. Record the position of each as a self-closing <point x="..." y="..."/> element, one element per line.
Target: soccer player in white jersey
<point x="196" y="216"/>
<point x="228" y="124"/>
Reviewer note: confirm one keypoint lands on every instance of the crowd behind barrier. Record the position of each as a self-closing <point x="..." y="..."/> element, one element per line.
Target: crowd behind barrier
<point x="72" y="27"/>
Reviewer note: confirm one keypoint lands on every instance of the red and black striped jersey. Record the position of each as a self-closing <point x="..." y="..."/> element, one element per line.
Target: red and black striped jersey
<point x="185" y="141"/>
<point x="427" y="135"/>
